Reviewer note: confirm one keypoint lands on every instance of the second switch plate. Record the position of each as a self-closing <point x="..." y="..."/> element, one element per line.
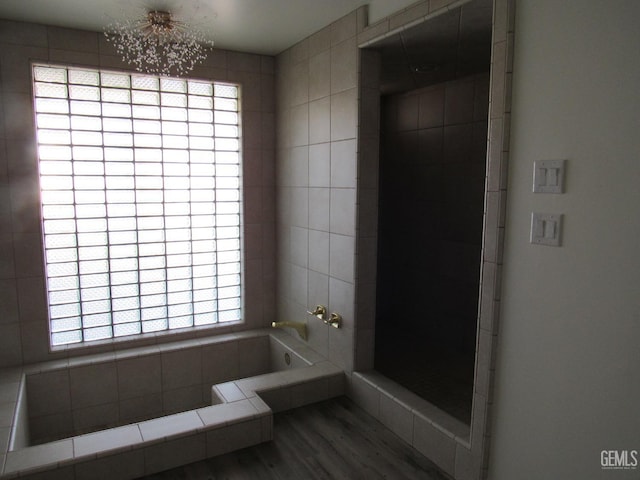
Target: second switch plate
<point x="548" y="176"/>
<point x="546" y="228"/>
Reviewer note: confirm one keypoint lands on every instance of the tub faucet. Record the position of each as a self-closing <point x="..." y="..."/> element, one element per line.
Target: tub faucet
<point x="300" y="327"/>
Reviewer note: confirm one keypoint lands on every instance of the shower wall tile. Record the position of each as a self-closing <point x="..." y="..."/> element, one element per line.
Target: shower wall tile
<point x="408" y="15"/>
<point x="181" y="368"/>
<point x="300" y="125"/>
<point x="344" y="28"/>
<point x="342" y="348"/>
<point x="319" y="209"/>
<point x="93" y="385"/>
<point x="344" y="59"/>
<point x="320" y="121"/>
<point x="299" y="165"/>
<point x="320" y="75"/>
<point x="48" y="393"/>
<point x="431" y="107"/>
<point x="460" y="102"/>
<point x="243" y="62"/>
<point x="124" y="465"/>
<point x="16" y="33"/>
<point x="89" y="59"/>
<point x="300" y="207"/>
<point x="251" y="352"/>
<point x="300" y="246"/>
<point x="299" y="286"/>
<point x="73" y="40"/>
<point x="300" y="51"/>
<point x="341" y="257"/>
<point x="299" y="83"/>
<point x="373" y="31"/>
<point x="325" y="207"/>
<point x="232" y="437"/>
<point x="341" y="294"/>
<point x="181" y="399"/>
<point x="368" y="162"/>
<point x="139" y="377"/>
<point x="344" y="118"/>
<point x="319" y="251"/>
<point x="8" y="301"/>
<point x="28" y="254"/>
<point x="166" y="455"/>
<point x="370" y="109"/>
<point x="343" y="211"/>
<point x="432" y="442"/>
<point x="57" y="425"/>
<point x="89" y="419"/>
<point x="396" y="417"/>
<point x="364" y="345"/>
<point x="7" y="262"/>
<point x="320" y="165"/>
<point x="365" y="395"/>
<point x="31" y="336"/>
<point x="320" y="41"/>
<point x="343" y="164"/>
<point x="140" y="408"/>
<point x="318" y="289"/>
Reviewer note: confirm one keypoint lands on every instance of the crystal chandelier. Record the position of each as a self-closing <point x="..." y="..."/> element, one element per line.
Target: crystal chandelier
<point x="158" y="44"/>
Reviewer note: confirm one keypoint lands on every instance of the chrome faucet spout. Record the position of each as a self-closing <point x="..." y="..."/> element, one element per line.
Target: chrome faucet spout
<point x="300" y="327"/>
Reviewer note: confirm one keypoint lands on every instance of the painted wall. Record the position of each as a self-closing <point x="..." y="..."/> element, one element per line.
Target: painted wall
<point x="568" y="360"/>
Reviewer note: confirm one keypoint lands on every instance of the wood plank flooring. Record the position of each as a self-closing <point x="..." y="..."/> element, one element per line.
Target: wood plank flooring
<point x="332" y="440"/>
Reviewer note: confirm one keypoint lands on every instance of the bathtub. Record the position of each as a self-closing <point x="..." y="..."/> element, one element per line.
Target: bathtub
<point x="144" y="410"/>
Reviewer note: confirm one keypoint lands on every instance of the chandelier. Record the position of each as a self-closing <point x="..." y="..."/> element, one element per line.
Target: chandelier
<point x="158" y="44"/>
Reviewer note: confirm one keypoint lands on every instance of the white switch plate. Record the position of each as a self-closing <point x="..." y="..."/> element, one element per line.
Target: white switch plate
<point x="548" y="176"/>
<point x="546" y="228"/>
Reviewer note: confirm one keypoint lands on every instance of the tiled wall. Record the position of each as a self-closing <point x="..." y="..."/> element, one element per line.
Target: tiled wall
<point x="433" y="164"/>
<point x="23" y="310"/>
<point x="317" y="119"/>
<point x="72" y="401"/>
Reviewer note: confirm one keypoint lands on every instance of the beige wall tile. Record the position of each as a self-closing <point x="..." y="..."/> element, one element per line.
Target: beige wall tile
<point x="343" y="164"/>
<point x="320" y="165"/>
<point x="48" y="393"/>
<point x="75" y="40"/>
<point x="344" y="115"/>
<point x="344" y="66"/>
<point x="139" y="377"/>
<point x="123" y="465"/>
<point x="320" y="75"/>
<point x="320" y="121"/>
<point x="343" y="211"/>
<point x="341" y="257"/>
<point x="181" y="368"/>
<point x="431" y="442"/>
<point x="93" y="385"/>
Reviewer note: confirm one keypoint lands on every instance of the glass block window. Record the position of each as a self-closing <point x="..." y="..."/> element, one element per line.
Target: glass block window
<point x="140" y="188"/>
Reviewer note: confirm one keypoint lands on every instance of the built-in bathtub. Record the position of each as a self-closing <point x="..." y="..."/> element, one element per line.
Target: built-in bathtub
<point x="140" y="411"/>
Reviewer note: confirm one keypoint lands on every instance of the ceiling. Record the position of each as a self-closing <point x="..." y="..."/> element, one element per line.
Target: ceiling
<point x="449" y="46"/>
<point x="257" y="26"/>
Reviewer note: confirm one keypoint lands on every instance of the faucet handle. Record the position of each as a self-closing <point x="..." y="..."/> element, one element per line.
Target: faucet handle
<point x="320" y="312"/>
<point x="335" y="320"/>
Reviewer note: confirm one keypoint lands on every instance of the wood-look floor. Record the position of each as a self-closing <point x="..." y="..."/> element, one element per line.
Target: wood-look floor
<point x="332" y="440"/>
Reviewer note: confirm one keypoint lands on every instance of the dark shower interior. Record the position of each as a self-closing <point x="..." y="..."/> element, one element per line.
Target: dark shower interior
<point x="434" y="108"/>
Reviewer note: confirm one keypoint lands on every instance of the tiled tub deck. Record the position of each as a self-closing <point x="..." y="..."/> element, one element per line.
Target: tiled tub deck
<point x="154" y="407"/>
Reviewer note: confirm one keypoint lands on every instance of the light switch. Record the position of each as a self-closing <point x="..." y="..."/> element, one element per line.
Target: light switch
<point x="546" y="228"/>
<point x="548" y="176"/>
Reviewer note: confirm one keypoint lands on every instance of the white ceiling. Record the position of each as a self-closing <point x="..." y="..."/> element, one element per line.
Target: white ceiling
<point x="258" y="26"/>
